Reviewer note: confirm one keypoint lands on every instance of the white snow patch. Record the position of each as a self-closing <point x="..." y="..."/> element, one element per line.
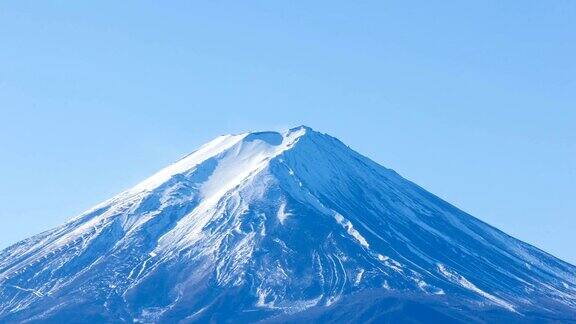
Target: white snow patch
<point x="350" y="229"/>
<point x="385" y="284"/>
<point x="237" y="164"/>
<point x="35" y="292"/>
<point x="262" y="295"/>
<point x="460" y="280"/>
<point x="359" y="277"/>
<point x="391" y="263"/>
<point x="197" y="312"/>
<point x="205" y="152"/>
<point x="382" y="257"/>
<point x="332" y="300"/>
<point x="282" y="213"/>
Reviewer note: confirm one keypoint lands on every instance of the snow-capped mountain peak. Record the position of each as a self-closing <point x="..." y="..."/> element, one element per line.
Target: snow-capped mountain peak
<point x="278" y="226"/>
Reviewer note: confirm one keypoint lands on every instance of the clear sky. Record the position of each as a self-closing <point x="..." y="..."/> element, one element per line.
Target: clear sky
<point x="473" y="100"/>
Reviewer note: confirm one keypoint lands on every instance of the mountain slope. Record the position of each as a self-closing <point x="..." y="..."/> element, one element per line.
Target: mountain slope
<point x="280" y="227"/>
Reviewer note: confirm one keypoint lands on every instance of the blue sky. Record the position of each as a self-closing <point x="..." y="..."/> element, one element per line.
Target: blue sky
<point x="473" y="100"/>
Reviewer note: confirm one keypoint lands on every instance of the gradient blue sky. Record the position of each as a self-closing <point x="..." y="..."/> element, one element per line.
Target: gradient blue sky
<point x="473" y="100"/>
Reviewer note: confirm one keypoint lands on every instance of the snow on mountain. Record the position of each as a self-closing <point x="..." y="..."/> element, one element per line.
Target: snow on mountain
<point x="272" y="226"/>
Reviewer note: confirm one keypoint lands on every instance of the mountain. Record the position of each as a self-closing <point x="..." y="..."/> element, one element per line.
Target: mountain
<point x="280" y="227"/>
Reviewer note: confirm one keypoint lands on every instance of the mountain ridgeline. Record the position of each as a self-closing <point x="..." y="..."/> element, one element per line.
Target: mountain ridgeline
<point x="280" y="227"/>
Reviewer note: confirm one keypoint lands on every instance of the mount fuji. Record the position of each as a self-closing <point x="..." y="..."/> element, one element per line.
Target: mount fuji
<point x="280" y="227"/>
